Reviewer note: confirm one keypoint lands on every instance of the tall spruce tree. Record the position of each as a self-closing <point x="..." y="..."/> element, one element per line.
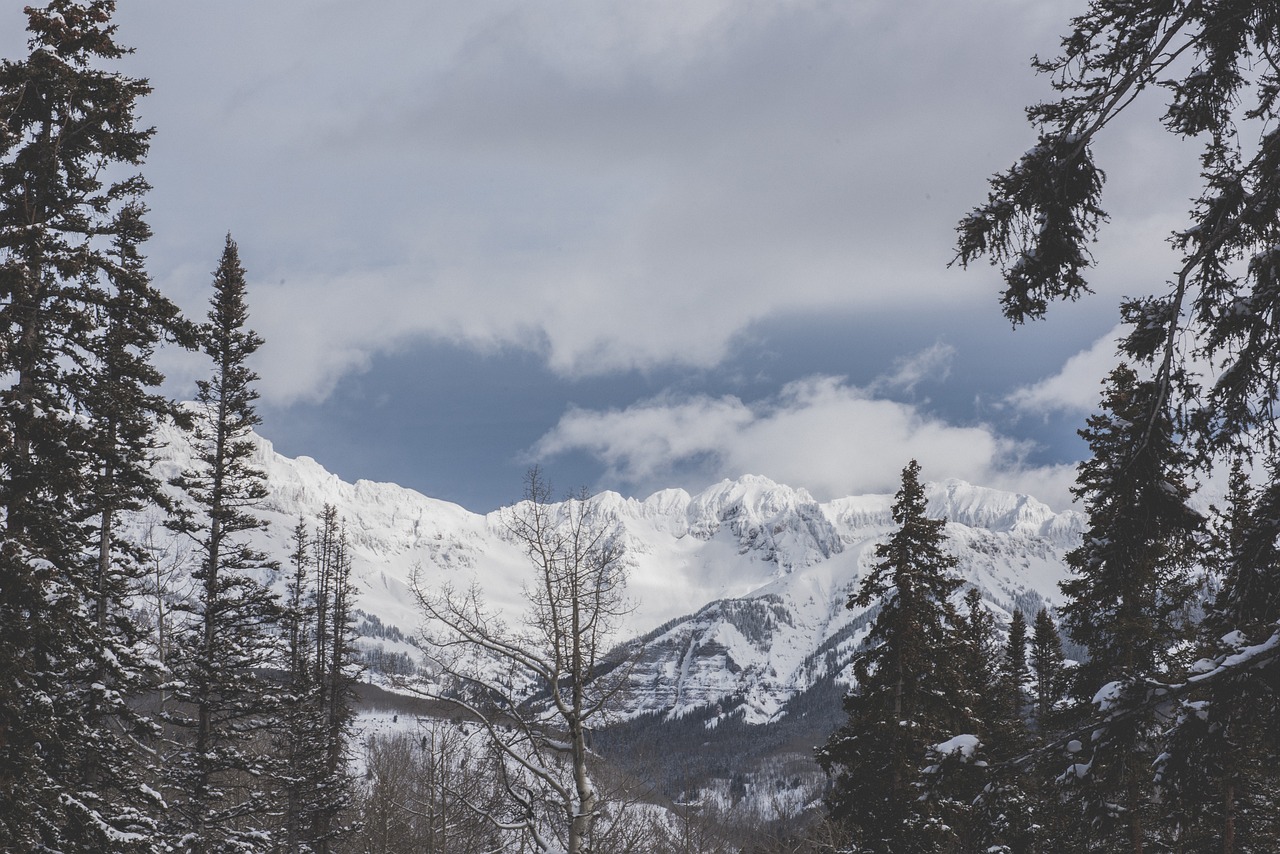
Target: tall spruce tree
<point x="1013" y="665"/>
<point x="1128" y="598"/>
<point x="1047" y="665"/>
<point x="335" y="672"/>
<point x="908" y="689"/>
<point x="296" y="738"/>
<point x="78" y="321"/>
<point x="122" y="409"/>
<point x="315" y="780"/>
<point x="975" y="781"/>
<point x="1217" y="65"/>
<point x="1216" y="774"/>
<point x="221" y="764"/>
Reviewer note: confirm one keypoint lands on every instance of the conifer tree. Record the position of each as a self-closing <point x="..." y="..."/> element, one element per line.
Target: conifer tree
<point x="978" y="789"/>
<point x="297" y="734"/>
<point x="979" y="656"/>
<point x="907" y="686"/>
<point x="122" y="410"/>
<point x="336" y="673"/>
<point x="76" y="330"/>
<point x="1215" y="773"/>
<point x="316" y="782"/>
<point x="1013" y="665"/>
<point x="1217" y="65"/>
<point x="1047" y="665"/>
<point x="217" y="771"/>
<point x="1129" y="596"/>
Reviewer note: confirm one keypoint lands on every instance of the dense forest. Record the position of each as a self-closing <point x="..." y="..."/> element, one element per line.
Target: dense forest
<point x="214" y="709"/>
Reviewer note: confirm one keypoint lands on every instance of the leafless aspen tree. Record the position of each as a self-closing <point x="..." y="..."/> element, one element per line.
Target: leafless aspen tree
<point x="538" y="687"/>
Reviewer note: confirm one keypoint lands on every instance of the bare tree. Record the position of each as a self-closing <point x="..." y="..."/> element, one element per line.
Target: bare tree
<point x="167" y="582"/>
<point x="416" y="793"/>
<point x="538" y="688"/>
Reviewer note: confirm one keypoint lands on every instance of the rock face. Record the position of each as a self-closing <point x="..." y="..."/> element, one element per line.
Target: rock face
<point x="746" y="581"/>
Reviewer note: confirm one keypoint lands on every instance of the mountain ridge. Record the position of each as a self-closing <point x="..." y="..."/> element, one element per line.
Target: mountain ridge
<point x="749" y="576"/>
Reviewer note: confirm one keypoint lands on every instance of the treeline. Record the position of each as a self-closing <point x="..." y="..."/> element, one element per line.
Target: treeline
<point x="1164" y="739"/>
<point x="958" y="739"/>
<point x="136" y="716"/>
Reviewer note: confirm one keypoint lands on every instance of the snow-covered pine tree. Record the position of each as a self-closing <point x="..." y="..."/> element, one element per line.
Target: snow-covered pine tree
<point x="217" y="769"/>
<point x="299" y="727"/>
<point x="981" y="794"/>
<point x="76" y="326"/>
<point x="1128" y="597"/>
<point x="909" y="694"/>
<point x="1216" y="776"/>
<point x="315" y="782"/>
<point x="1217" y="64"/>
<point x="1008" y="814"/>
<point x="336" y="672"/>
<point x="121" y="406"/>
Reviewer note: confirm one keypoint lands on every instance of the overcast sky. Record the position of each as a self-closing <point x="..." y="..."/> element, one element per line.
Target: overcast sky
<point x="645" y="244"/>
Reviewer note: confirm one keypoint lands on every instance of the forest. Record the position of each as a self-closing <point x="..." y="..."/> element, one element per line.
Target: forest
<point x="144" y="709"/>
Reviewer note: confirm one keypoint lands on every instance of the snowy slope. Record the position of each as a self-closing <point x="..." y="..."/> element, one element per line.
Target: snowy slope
<point x="753" y="653"/>
<point x="746" y="580"/>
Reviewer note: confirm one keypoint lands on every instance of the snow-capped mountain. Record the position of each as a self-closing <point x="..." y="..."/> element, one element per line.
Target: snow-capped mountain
<point x="746" y="581"/>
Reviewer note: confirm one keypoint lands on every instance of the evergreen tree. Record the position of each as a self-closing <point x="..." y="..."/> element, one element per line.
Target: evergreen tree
<point x="77" y="325"/>
<point x="1217" y="64"/>
<point x="122" y="410"/>
<point x="907" y="686"/>
<point x="297" y="734"/>
<point x="1013" y="665"/>
<point x="980" y="793"/>
<point x="226" y="707"/>
<point x="1047" y="665"/>
<point x="336" y="674"/>
<point x="1215" y="773"/>
<point x="316" y="783"/>
<point x="1128" y="597"/>
<point x="979" y="654"/>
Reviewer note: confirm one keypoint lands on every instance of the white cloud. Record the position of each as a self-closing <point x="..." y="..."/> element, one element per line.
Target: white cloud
<point x="932" y="364"/>
<point x="1075" y="388"/>
<point x="819" y="433"/>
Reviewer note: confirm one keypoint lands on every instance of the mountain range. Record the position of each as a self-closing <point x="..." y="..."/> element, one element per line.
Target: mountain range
<point x="738" y="592"/>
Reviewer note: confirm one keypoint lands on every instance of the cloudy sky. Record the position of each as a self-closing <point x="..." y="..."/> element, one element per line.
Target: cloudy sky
<point x="645" y="244"/>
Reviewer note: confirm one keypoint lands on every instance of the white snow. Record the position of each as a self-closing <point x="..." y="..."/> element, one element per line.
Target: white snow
<point x="759" y="572"/>
<point x="965" y="745"/>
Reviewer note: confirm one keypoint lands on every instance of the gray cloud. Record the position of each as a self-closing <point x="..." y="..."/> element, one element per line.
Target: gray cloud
<point x="820" y="433"/>
<point x="612" y="185"/>
<point x="619" y="187"/>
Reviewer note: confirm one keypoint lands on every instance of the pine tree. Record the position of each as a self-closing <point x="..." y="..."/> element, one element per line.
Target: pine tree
<point x="1215" y="775"/>
<point x="1013" y="665"/>
<point x="1007" y="814"/>
<point x="77" y="324"/>
<point x="1129" y="596"/>
<point x="1047" y="664"/>
<point x="336" y="674"/>
<point x="226" y="707"/>
<point x="122" y="410"/>
<point x="1216" y="62"/>
<point x="979" y="654"/>
<point x="978" y="790"/>
<point x="296" y="737"/>
<point x="907" y="684"/>
<point x="316" y="782"/>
